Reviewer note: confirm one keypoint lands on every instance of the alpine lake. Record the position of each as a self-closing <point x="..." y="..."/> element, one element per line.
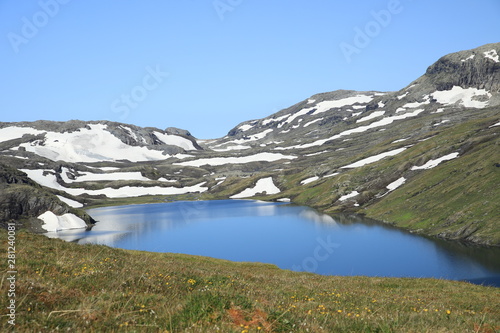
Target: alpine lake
<point x="288" y="236"/>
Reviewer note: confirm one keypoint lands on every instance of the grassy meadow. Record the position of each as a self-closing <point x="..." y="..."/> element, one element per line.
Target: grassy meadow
<point x="64" y="286"/>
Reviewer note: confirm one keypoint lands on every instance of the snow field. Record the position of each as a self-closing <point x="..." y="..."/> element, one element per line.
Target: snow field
<point x="464" y="96"/>
<point x="49" y="180"/>
<point x="15" y="132"/>
<point x="92" y="144"/>
<point x="382" y="122"/>
<point x="215" y="161"/>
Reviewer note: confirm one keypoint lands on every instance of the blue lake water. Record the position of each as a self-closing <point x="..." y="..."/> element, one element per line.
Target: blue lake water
<point x="289" y="236"/>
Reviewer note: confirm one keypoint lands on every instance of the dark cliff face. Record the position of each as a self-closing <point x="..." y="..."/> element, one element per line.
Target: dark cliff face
<point x="467" y="69"/>
<point x="22" y="200"/>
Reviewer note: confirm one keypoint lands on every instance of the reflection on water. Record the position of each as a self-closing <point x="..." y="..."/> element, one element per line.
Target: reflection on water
<point x="289" y="236"/>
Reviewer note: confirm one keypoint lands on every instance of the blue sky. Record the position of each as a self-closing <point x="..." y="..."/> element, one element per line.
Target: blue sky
<point x="207" y="65"/>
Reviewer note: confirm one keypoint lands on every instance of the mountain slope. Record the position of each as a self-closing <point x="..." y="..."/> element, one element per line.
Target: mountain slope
<point x="22" y="201"/>
<point x="423" y="158"/>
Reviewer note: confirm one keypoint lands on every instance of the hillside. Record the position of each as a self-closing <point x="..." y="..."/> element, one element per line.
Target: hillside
<point x="424" y="158"/>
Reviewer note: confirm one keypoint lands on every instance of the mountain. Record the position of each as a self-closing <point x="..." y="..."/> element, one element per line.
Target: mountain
<point x="423" y="158"/>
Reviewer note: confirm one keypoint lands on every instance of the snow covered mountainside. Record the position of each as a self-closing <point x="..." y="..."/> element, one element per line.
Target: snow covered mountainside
<point x="423" y="158"/>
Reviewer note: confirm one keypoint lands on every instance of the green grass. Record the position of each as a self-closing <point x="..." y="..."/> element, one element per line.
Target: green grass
<point x="458" y="198"/>
<point x="89" y="288"/>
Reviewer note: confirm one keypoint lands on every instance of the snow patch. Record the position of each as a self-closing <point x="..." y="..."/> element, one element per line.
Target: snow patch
<point x="312" y="122"/>
<point x="108" y="168"/>
<point x="52" y="222"/>
<point x="318" y="153"/>
<point x="374" y="158"/>
<point x="417" y="104"/>
<point x="215" y="161"/>
<point x="464" y="96"/>
<point x="433" y="163"/>
<point x="395" y="184"/>
<point x="92" y="177"/>
<point x="360" y="129"/>
<point x="309" y="180"/>
<point x="175" y="140"/>
<point x="273" y="120"/>
<point x="262" y="185"/>
<point x="70" y="202"/>
<point x="245" y="127"/>
<point x="373" y="115"/>
<point x="492" y="55"/>
<point x="327" y="105"/>
<point x="348" y="196"/>
<point x="469" y="57"/>
<point x="49" y="180"/>
<point x="400" y="140"/>
<point x="332" y="175"/>
<point x="229" y="148"/>
<point x="442" y="122"/>
<point x="298" y="114"/>
<point x="403" y="96"/>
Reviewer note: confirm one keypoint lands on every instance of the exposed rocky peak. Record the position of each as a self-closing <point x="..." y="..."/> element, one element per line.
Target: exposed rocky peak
<point x="177" y="131"/>
<point x="460" y="80"/>
<point x="478" y="68"/>
<point x="93" y="141"/>
<point x="311" y="118"/>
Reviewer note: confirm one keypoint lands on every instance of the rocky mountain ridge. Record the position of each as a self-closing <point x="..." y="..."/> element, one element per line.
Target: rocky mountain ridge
<point x="389" y="155"/>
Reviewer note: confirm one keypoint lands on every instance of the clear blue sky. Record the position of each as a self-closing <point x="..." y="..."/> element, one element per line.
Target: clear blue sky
<point x="227" y="60"/>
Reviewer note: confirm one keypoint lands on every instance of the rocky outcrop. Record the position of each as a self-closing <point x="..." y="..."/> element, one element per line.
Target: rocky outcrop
<point x="472" y="68"/>
<point x="22" y="200"/>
